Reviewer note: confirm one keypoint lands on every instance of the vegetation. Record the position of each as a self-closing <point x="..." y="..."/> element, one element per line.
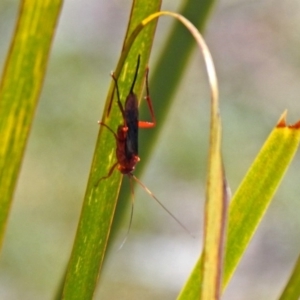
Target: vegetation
<point x="21" y="83"/>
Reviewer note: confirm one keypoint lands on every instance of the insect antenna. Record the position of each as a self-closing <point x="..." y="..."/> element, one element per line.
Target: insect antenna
<point x="165" y="209"/>
<point x="118" y="94"/>
<point x="136" y="73"/>
<point x="131" y="214"/>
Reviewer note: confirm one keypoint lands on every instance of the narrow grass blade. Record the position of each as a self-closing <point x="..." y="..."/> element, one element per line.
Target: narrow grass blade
<point x="214" y="232"/>
<point x="292" y="289"/>
<point x="20" y="87"/>
<point x="101" y="196"/>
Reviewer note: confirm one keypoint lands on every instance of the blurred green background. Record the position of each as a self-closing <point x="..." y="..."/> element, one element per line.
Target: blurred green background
<point x="255" y="48"/>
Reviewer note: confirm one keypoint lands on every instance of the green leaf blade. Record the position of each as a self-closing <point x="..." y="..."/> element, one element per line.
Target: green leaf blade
<point x="292" y="288"/>
<point x="101" y="196"/>
<point x="20" y="87"/>
<point x="255" y="193"/>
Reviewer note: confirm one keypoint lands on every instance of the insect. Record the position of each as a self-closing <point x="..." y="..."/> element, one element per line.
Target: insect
<point x="127" y="134"/>
<point x="127" y="139"/>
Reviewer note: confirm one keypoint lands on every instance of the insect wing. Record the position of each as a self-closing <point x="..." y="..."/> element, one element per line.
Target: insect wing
<point x="132" y="121"/>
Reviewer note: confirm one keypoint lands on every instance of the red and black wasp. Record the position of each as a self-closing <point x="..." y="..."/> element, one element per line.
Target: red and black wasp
<point x="127" y="134"/>
<point x="127" y="138"/>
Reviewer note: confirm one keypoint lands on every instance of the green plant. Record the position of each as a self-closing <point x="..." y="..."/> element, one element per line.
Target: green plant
<point x="284" y="140"/>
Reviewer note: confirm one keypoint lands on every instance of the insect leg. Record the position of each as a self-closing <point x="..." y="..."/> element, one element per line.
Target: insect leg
<point x="109" y="173"/>
<point x="146" y="124"/>
<point x="115" y="164"/>
<point x="103" y="124"/>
